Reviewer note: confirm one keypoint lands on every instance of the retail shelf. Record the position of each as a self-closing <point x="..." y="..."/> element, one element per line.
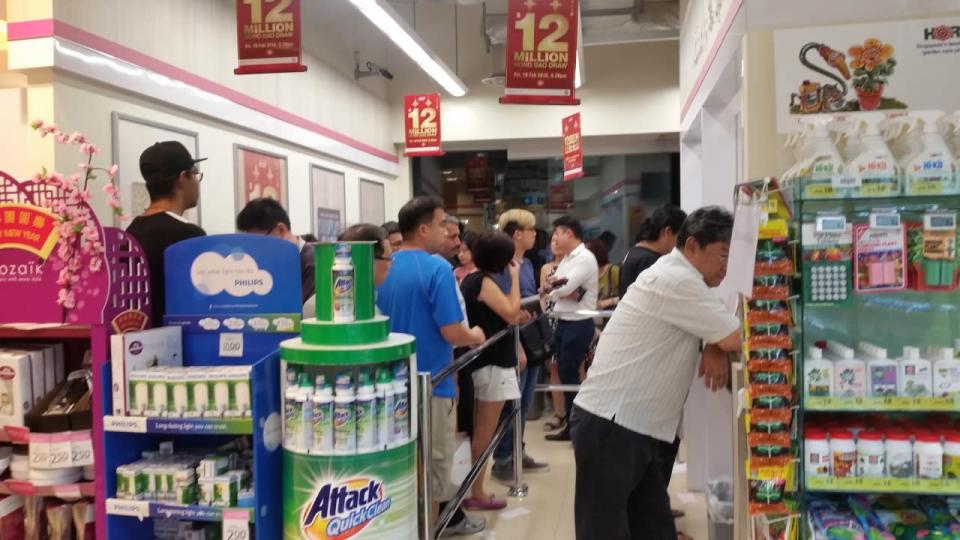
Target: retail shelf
<point x="150" y="509"/>
<point x="882" y="404"/>
<point x="44" y="331"/>
<point x="885" y="485"/>
<point x="65" y="491"/>
<point x="178" y="426"/>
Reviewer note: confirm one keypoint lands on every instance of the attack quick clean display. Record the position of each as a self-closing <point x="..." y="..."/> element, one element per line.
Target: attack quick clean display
<point x="350" y="470"/>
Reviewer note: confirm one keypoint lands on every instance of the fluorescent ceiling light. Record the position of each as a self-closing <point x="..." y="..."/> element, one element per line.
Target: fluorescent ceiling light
<point x="390" y="23"/>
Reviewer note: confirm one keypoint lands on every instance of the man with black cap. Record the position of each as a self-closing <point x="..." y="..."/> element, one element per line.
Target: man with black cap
<point x="173" y="182"/>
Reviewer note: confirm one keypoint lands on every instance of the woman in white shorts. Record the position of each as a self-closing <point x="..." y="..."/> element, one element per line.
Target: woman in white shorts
<point x="495" y="370"/>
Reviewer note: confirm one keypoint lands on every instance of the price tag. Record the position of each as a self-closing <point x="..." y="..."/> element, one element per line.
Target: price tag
<point x="231" y="344"/>
<point x="39" y="452"/>
<point x="820" y="191"/>
<point x="885" y="220"/>
<point x="927" y="187"/>
<point x="61" y="451"/>
<point x="236" y="525"/>
<point x="846" y="181"/>
<point x="81" y="446"/>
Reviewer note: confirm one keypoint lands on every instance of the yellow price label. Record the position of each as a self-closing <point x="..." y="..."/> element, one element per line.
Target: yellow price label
<point x="901" y="403"/>
<point x="820" y="482"/>
<point x="926" y="187"/>
<point x="771" y="206"/>
<point x="819" y="190"/>
<point x="879" y="189"/>
<point x="900" y="484"/>
<point x="872" y="484"/>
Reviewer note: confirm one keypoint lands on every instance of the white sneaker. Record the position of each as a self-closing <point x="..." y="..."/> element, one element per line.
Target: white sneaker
<point x="468" y="526"/>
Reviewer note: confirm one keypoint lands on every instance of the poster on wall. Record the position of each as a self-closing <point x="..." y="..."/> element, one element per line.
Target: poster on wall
<point x="541" y="51"/>
<point x="560" y="197"/>
<point x="328" y="224"/>
<point x="572" y="149"/>
<point x="422" y="125"/>
<point x="884" y="66"/>
<point x="478" y="177"/>
<point x="259" y="174"/>
<point x="268" y="36"/>
<point x="131" y="136"/>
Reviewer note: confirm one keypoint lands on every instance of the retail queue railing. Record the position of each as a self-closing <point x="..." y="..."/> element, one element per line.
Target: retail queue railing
<point x="574" y="388"/>
<point x="426" y="385"/>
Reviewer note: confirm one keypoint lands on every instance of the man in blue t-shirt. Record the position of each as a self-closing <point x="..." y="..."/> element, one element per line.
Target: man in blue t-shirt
<point x="420" y="297"/>
<point x="521" y="225"/>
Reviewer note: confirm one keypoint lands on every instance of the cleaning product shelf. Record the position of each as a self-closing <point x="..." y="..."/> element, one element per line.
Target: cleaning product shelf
<point x="178" y="426"/>
<point x="885" y="485"/>
<point x="151" y="509"/>
<point x="882" y="404"/>
<point x="65" y="491"/>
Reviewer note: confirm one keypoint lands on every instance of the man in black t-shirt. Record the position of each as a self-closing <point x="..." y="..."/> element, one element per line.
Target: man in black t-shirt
<point x="173" y="182"/>
<point x="267" y="216"/>
<point x="656" y="237"/>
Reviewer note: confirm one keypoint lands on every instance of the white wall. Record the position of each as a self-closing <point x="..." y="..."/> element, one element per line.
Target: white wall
<point x="87" y="106"/>
<point x="200" y="37"/>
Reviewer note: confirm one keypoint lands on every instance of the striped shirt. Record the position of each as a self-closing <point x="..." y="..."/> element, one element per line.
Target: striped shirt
<point x="649" y="351"/>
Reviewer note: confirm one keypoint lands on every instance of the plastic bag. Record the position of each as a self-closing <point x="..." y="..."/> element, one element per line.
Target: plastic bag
<point x="720" y="500"/>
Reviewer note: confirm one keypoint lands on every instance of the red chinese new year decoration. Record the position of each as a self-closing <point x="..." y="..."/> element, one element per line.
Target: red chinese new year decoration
<point x="572" y="148"/>
<point x="421" y="115"/>
<point x="541" y="52"/>
<point x="268" y="36"/>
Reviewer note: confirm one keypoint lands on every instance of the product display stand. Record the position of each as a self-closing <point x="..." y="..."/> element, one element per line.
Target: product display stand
<point x="113" y="300"/>
<point x="207" y="279"/>
<point x="349" y="457"/>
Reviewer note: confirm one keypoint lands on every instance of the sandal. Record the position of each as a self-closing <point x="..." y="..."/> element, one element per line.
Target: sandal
<point x="555" y="423"/>
<point x="476" y="503"/>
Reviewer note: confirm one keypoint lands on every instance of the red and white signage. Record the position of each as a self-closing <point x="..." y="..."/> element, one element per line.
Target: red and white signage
<point x="261" y="175"/>
<point x="478" y="174"/>
<point x="268" y="36"/>
<point x="422" y="125"/>
<point x="541" y="52"/>
<point x="572" y="148"/>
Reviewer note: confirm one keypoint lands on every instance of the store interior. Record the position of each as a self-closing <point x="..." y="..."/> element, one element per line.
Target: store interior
<point x="763" y="107"/>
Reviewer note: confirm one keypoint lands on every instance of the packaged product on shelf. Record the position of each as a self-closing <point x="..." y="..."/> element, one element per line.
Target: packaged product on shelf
<point x="872" y="165"/>
<point x="871" y="455"/>
<point x="768" y="445"/>
<point x="880" y="254"/>
<point x="226" y="487"/>
<point x="827" y="259"/>
<point x="305" y="406"/>
<point x="386" y="399"/>
<point x="770" y="335"/>
<point x="882" y="371"/>
<point x="946" y="373"/>
<point x="200" y="398"/>
<point x="344" y="285"/>
<point x="928" y="456"/>
<point x="771" y="396"/>
<point x="817" y="457"/>
<point x="239" y="382"/>
<point x="768" y="311"/>
<point x="136" y="351"/>
<point x="915" y="374"/>
<point x="829" y="521"/>
<point x="770" y="420"/>
<point x="931" y="169"/>
<point x="401" y="409"/>
<point x="366" y="413"/>
<point x="156" y="380"/>
<point x="843" y="453"/>
<point x="59" y="520"/>
<point x="939" y="516"/>
<point x="772" y="287"/>
<point x="899" y="516"/>
<point x="323" y="410"/>
<point x="850" y="373"/>
<point x="292" y="409"/>
<point x="932" y="248"/>
<point x="818" y="375"/>
<point x="766" y="496"/>
<point x="345" y="416"/>
<point x="16" y="388"/>
<point x="822" y="174"/>
<point x="770" y="371"/>
<point x="951" y="455"/>
<point x="83" y="519"/>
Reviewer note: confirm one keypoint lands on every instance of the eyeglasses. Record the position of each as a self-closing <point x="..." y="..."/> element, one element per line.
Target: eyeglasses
<point x="198" y="174"/>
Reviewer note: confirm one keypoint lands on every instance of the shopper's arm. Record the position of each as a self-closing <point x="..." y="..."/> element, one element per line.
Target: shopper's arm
<point x="458" y="336"/>
<point x="577" y="275"/>
<point x="731" y="344"/>
<point x="714" y="368"/>
<point x="506" y="306"/>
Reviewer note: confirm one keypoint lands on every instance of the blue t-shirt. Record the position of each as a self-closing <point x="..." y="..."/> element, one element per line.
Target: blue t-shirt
<point x="420" y="297"/>
<point x="528" y="285"/>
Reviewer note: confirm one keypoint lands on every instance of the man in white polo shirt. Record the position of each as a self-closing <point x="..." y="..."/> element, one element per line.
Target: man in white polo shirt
<point x="573" y="288"/>
<point x="632" y="400"/>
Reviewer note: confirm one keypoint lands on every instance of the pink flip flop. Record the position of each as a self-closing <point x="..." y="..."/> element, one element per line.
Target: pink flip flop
<point x="475" y="503"/>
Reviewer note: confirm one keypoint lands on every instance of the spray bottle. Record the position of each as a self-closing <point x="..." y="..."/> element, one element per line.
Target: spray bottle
<point x="930" y="168"/>
<point x="872" y="164"/>
<point x="822" y="173"/>
<point x="322" y="417"/>
<point x="386" y="398"/>
<point x="952" y="136"/>
<point x="345" y="416"/>
<point x="366" y="413"/>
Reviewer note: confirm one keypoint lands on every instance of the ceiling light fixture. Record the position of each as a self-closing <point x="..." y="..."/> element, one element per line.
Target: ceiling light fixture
<point x="390" y="23"/>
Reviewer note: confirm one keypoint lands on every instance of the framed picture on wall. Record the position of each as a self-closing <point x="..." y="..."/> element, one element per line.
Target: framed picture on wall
<point x="259" y="174"/>
<point x="372" y="207"/>
<point x="328" y="199"/>
<point x="131" y="136"/>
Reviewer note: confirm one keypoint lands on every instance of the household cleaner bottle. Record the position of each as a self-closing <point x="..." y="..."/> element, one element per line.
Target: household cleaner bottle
<point x="946" y="373"/>
<point x="916" y="374"/>
<point x="882" y="371"/>
<point x="344" y="416"/>
<point x="401" y="406"/>
<point x="932" y="170"/>
<point x="872" y="166"/>
<point x="305" y="406"/>
<point x="291" y="408"/>
<point x="366" y="414"/>
<point x="385" y="403"/>
<point x="849" y="372"/>
<point x="323" y="410"/>
<point x="951" y="124"/>
<point x="822" y="174"/>
<point x="817" y="374"/>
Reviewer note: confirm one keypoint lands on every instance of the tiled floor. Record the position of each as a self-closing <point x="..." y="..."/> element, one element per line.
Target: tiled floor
<point x="547" y="512"/>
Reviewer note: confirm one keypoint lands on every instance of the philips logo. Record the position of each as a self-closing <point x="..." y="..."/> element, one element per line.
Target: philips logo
<point x="341" y="510"/>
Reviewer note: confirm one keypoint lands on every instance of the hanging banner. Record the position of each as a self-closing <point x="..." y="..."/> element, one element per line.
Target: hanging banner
<point x="541" y="52"/>
<point x="572" y="149"/>
<point x="866" y="67"/>
<point x="268" y="36"/>
<point x="422" y="125"/>
<point x="478" y="177"/>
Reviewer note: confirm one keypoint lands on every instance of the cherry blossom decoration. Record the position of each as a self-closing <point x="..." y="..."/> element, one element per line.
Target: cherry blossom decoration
<point x="80" y="246"/>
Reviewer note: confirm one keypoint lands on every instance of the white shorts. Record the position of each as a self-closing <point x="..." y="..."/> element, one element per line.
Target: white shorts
<point x="493" y="383"/>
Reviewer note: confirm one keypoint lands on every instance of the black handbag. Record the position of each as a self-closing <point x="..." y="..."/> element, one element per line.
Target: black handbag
<point x="536" y="337"/>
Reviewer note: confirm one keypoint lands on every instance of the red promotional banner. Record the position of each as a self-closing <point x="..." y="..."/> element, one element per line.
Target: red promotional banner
<point x="268" y="36"/>
<point x="28" y="228"/>
<point x="478" y="177"/>
<point x="422" y="125"/>
<point x="541" y="52"/>
<point x="572" y="149"/>
<point x="260" y="175"/>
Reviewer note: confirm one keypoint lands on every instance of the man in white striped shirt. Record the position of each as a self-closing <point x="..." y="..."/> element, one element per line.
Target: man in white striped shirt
<point x="632" y="400"/>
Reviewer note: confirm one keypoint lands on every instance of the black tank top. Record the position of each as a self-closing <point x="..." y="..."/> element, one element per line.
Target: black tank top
<point x="503" y="353"/>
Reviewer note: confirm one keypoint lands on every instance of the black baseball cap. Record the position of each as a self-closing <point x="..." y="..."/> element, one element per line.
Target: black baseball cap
<point x="166" y="159"/>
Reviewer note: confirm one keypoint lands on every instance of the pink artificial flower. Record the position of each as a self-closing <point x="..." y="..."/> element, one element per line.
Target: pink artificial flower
<point x="112" y="171"/>
<point x="89" y="149"/>
<point x="114" y="203"/>
<point x="77" y="138"/>
<point x="61" y="138"/>
<point x="36" y="124"/>
<point x="67" y="299"/>
<point x="96" y="264"/>
<point x="110" y="189"/>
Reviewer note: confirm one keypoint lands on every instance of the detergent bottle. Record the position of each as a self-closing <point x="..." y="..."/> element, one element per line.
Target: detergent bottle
<point x="951" y="124"/>
<point x="872" y="164"/>
<point x="932" y="168"/>
<point x="822" y="174"/>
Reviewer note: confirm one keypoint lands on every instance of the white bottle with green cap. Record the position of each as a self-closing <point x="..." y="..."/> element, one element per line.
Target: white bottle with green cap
<point x="366" y="414"/>
<point x="322" y="417"/>
<point x="304" y="395"/>
<point x="385" y="402"/>
<point x="344" y="416"/>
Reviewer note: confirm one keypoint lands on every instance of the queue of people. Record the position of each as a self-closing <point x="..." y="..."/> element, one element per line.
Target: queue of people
<point x="452" y="290"/>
